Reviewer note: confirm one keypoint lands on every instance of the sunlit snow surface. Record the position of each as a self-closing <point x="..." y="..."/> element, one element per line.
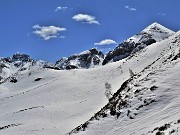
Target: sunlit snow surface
<point x="148" y="110"/>
<point x="62" y="100"/>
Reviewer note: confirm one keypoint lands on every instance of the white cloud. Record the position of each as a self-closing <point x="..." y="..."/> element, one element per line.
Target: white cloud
<point x="130" y="8"/>
<point x="162" y="14"/>
<point x="48" y="32"/>
<point x="84" y="18"/>
<point x="106" y="42"/>
<point x="60" y="8"/>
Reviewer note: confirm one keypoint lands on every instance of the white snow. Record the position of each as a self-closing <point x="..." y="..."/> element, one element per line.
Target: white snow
<point x="62" y="100"/>
<point x="157" y="31"/>
<point x="165" y="109"/>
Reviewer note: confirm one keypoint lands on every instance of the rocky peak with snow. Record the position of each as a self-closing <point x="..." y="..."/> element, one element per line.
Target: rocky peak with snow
<point x="86" y="59"/>
<point x="152" y="34"/>
<point x="17" y="57"/>
<point x="10" y="67"/>
<point x="21" y="57"/>
<point x="156" y="27"/>
<point x="158" y="31"/>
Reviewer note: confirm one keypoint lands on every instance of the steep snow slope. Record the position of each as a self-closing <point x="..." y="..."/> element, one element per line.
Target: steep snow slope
<point x="152" y="34"/>
<point x="146" y="103"/>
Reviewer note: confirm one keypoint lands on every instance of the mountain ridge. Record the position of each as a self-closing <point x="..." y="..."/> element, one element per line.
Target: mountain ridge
<point x="90" y="58"/>
<point x="144" y="90"/>
<point x="154" y="28"/>
<point x="151" y="34"/>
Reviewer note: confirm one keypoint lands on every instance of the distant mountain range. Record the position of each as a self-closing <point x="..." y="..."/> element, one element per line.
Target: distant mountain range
<point x="89" y="58"/>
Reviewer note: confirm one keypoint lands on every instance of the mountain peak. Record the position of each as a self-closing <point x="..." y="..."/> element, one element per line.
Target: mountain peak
<point x="151" y="34"/>
<point x="86" y="59"/>
<point x="22" y="57"/>
<point x="155" y="24"/>
<point x="156" y="27"/>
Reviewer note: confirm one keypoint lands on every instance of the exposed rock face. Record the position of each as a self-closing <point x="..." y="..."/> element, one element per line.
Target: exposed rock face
<point x="21" y="57"/>
<point x="152" y="34"/>
<point x="17" y="57"/>
<point x="86" y="59"/>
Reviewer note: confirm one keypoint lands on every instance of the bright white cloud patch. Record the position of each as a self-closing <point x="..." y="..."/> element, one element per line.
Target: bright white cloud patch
<point x="106" y="42"/>
<point x="130" y="8"/>
<point x="84" y="18"/>
<point x="60" y="8"/>
<point x="48" y="32"/>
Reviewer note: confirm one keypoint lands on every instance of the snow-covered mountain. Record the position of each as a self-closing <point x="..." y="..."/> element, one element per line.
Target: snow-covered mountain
<point x="152" y="34"/>
<point x="147" y="102"/>
<point x="11" y="67"/>
<point x="87" y="59"/>
<point x="144" y="93"/>
<point x="92" y="58"/>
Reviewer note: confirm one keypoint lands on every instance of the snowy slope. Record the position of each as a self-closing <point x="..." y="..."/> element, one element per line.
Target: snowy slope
<point x="152" y="34"/>
<point x="56" y="104"/>
<point x="146" y="103"/>
<point x="51" y="102"/>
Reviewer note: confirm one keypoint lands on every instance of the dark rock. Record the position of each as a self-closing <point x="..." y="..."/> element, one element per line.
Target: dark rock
<point x="159" y="133"/>
<point x="178" y="121"/>
<point x="71" y="67"/>
<point x="165" y="127"/>
<point x="51" y="67"/>
<point x="126" y="48"/>
<point x="21" y="57"/>
<point x="2" y="65"/>
<point x="153" y="88"/>
<point x="82" y="60"/>
<point x="37" y="79"/>
<point x="13" y="80"/>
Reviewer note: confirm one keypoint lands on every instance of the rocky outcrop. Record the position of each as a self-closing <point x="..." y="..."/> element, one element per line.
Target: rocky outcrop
<point x="86" y="59"/>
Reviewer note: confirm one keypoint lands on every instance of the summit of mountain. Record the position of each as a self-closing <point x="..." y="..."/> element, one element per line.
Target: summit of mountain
<point x="151" y="34"/>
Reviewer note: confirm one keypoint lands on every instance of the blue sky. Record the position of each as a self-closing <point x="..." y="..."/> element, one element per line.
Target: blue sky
<point x="51" y="29"/>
